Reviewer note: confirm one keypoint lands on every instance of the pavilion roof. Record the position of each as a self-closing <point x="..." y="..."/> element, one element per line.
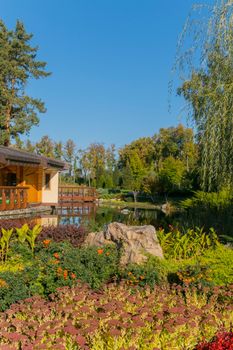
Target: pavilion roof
<point x="13" y="156"/>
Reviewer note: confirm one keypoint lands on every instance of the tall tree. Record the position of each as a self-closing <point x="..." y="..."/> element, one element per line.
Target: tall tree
<point x="45" y="147"/>
<point x="58" y="150"/>
<point x="133" y="173"/>
<point x="208" y="89"/>
<point x="70" y="156"/>
<point x="18" y="65"/>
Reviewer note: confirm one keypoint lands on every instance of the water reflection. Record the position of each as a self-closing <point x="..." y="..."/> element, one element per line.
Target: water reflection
<point x="96" y="217"/>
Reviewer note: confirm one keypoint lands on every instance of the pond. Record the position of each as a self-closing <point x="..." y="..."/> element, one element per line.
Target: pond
<point x="96" y="217"/>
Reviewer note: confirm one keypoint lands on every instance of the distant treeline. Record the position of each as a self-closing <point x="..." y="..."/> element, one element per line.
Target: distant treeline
<point x="164" y="163"/>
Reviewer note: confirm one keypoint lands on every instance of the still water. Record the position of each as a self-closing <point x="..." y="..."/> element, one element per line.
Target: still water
<point x="96" y="217"/>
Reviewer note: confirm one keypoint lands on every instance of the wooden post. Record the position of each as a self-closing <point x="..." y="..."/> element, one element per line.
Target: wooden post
<point x="3" y="200"/>
<point x="18" y="203"/>
<point x="12" y="199"/>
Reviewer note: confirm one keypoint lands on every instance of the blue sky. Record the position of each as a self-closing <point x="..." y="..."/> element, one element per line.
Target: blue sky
<point x="111" y="63"/>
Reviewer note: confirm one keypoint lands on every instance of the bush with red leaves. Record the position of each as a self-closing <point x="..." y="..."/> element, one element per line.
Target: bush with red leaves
<point x="222" y="341"/>
<point x="7" y="224"/>
<point x="71" y="233"/>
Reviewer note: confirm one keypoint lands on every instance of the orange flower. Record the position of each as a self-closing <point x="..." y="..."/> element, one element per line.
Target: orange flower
<point x="3" y="283"/>
<point x="47" y="242"/>
<point x="73" y="276"/>
<point x="100" y="251"/>
<point x="59" y="271"/>
<point x="65" y="274"/>
<point x="108" y="253"/>
<point x="56" y="255"/>
<point x="55" y="262"/>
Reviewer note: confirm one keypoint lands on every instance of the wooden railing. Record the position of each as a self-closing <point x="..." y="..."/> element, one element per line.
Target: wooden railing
<point x="12" y="198"/>
<point x="76" y="194"/>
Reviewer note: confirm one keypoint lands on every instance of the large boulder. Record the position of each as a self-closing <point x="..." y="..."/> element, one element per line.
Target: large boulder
<point x="134" y="241"/>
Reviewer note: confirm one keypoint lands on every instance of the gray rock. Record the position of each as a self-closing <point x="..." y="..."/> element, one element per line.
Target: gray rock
<point x="135" y="241"/>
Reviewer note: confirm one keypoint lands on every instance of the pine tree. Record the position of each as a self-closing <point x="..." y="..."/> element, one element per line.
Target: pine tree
<point x="18" y="65"/>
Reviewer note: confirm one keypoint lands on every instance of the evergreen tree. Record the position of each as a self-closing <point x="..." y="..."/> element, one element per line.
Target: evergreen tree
<point x="58" y="150"/>
<point x="70" y="156"/>
<point x="45" y="147"/>
<point x="18" y="65"/>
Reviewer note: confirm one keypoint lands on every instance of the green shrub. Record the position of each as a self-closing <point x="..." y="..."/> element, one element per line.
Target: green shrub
<point x="140" y="275"/>
<point x="13" y="287"/>
<point x="214" y="267"/>
<point x="216" y="200"/>
<point x="89" y="264"/>
<point x="220" y="261"/>
<point x="193" y="242"/>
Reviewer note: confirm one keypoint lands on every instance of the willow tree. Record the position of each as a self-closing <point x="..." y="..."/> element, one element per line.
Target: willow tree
<point x="18" y="65"/>
<point x="206" y="70"/>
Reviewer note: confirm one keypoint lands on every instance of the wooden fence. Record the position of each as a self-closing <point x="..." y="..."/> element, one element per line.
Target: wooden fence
<point x="12" y="198"/>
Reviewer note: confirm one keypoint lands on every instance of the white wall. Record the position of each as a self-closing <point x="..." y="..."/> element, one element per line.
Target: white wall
<point x="50" y="195"/>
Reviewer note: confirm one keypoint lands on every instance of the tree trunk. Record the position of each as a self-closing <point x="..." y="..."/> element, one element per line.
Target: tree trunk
<point x="135" y="194"/>
<point x="7" y="128"/>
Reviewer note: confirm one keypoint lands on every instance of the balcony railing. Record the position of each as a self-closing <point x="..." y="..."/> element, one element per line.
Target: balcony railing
<point x="12" y="198"/>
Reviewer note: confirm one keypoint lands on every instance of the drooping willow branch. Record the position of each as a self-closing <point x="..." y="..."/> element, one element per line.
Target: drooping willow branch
<point x="205" y="68"/>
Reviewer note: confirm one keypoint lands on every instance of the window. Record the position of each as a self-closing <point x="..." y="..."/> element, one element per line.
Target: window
<point x="11" y="179"/>
<point x="47" y="181"/>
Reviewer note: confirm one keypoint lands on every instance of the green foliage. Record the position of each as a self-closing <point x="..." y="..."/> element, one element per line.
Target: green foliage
<point x="12" y="288"/>
<point x="133" y="173"/>
<point x="213" y="267"/>
<point x="90" y="265"/>
<point x="98" y="164"/>
<point x="217" y="200"/>
<point x="195" y="275"/>
<point x="18" y="112"/>
<point x="4" y="242"/>
<point x="163" y="163"/>
<point x="140" y="275"/>
<point x="178" y="245"/>
<point x="220" y="261"/>
<point x="22" y="233"/>
<point x="26" y="234"/>
<point x="207" y="69"/>
<point x="171" y="175"/>
<point x="45" y="147"/>
<point x="32" y="235"/>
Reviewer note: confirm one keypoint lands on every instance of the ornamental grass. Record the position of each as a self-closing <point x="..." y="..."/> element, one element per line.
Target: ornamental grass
<point x="118" y="317"/>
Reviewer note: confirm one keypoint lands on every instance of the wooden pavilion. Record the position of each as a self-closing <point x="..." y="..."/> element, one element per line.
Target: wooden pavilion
<point x="27" y="178"/>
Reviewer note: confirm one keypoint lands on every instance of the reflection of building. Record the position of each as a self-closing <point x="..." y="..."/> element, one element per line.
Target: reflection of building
<point x="50" y="220"/>
<point x="27" y="178"/>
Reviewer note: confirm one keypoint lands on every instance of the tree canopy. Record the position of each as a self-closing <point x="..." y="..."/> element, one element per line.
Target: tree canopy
<point x="18" y="65"/>
<point x="207" y="86"/>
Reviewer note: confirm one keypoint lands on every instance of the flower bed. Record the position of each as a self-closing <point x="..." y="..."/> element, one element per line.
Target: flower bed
<point x="118" y="317"/>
